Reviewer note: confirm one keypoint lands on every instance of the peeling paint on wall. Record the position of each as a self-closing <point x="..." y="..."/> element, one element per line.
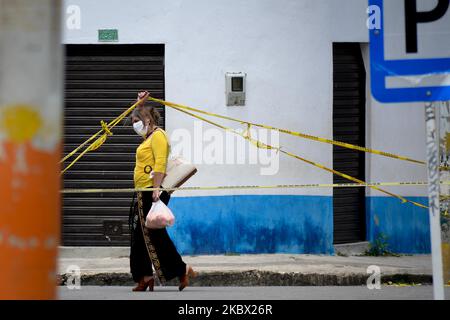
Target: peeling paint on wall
<point x="405" y="226"/>
<point x="20" y="122"/>
<point x="28" y="243"/>
<point x="2" y="148"/>
<point x="20" y="165"/>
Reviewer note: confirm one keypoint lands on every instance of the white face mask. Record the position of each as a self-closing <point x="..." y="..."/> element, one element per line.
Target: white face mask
<point x="140" y="129"/>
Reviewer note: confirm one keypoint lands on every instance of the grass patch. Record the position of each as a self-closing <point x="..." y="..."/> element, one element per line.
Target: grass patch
<point x="380" y="248"/>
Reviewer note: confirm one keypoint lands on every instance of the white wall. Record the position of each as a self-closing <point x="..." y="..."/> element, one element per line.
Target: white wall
<point x="396" y="128"/>
<point x="285" y="47"/>
<point x="348" y="20"/>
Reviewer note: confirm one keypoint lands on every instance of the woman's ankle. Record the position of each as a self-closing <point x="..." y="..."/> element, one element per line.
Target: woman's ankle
<point x="147" y="278"/>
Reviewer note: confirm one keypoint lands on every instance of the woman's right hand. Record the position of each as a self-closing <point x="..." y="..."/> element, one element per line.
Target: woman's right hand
<point x="143" y="95"/>
<point x="155" y="195"/>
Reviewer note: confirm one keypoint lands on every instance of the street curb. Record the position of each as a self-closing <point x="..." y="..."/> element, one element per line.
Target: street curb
<point x="253" y="278"/>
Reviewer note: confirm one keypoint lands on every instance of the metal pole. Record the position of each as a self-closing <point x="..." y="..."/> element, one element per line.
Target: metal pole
<point x="444" y="126"/>
<point x="433" y="194"/>
<point x="30" y="147"/>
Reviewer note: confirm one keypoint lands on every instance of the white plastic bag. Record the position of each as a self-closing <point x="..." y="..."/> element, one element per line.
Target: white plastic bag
<point x="159" y="216"/>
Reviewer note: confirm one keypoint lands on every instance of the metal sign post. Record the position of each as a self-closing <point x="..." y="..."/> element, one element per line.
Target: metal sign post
<point x="410" y="62"/>
<point x="433" y="194"/>
<point x="443" y="124"/>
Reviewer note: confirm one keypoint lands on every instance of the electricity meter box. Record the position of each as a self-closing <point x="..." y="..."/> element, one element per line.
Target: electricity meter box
<point x="235" y="88"/>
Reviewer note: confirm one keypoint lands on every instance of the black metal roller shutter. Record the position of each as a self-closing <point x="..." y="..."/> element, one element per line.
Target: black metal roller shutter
<point x="101" y="82"/>
<point x="349" y="80"/>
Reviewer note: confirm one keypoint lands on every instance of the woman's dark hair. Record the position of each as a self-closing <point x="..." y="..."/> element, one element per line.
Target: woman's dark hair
<point x="146" y="112"/>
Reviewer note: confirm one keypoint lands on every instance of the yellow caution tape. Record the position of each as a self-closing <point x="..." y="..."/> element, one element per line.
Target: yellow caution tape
<point x="279" y="186"/>
<point x="298" y="134"/>
<point x="106" y="128"/>
<point x="246" y="135"/>
<point x="259" y="144"/>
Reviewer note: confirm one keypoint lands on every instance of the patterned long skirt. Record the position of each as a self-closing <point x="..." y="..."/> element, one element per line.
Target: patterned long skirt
<point x="152" y="246"/>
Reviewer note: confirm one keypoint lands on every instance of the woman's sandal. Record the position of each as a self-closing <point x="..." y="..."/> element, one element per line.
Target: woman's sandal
<point x="143" y="285"/>
<point x="184" y="280"/>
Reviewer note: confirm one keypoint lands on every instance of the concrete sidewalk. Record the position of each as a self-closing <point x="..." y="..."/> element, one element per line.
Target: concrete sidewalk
<point x="110" y="266"/>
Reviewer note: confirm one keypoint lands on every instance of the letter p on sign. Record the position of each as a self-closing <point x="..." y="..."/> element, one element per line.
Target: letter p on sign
<point x="410" y="53"/>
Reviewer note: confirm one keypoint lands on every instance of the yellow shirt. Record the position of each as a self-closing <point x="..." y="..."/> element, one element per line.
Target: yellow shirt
<point x="151" y="155"/>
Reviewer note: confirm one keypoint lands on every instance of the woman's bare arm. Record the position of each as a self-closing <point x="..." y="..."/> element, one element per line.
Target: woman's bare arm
<point x="157" y="180"/>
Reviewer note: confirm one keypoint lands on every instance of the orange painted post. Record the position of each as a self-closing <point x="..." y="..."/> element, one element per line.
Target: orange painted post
<point x="31" y="85"/>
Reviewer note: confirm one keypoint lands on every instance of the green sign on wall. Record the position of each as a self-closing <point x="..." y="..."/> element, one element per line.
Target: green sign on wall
<point x="107" y="35"/>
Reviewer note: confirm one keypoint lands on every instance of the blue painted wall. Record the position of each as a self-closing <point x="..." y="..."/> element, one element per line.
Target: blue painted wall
<point x="253" y="224"/>
<point x="288" y="224"/>
<point x="405" y="225"/>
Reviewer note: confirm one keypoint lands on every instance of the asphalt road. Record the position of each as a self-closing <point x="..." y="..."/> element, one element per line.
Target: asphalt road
<point x="252" y="293"/>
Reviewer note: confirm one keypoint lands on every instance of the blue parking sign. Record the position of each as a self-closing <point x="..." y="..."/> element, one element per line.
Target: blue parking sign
<point x="409" y="50"/>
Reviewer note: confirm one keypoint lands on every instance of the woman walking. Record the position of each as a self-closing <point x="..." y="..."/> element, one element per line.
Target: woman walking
<point x="152" y="246"/>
